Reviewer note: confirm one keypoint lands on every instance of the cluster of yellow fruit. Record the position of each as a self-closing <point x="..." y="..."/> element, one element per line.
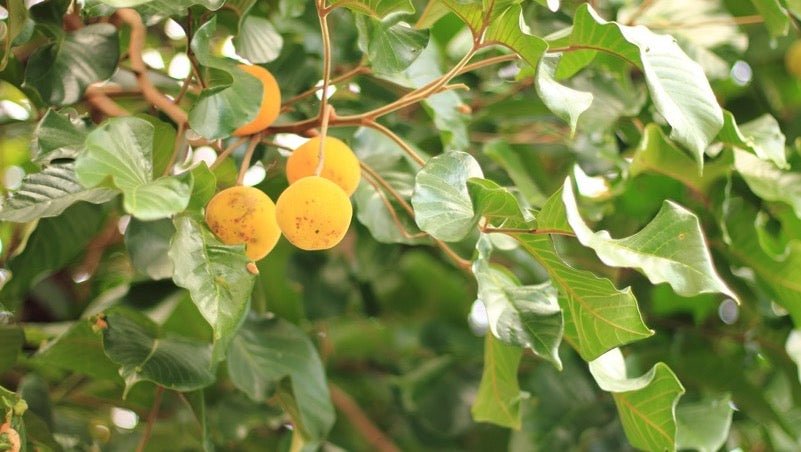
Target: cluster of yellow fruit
<point x="313" y="213"/>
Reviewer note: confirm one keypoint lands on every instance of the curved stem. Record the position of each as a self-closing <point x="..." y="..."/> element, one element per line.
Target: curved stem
<point x="322" y="14"/>
<point x="398" y="140"/>
<point x="327" y="113"/>
<point x="243" y="168"/>
<point x="149" y="91"/>
<point x="225" y="153"/>
<point x="179" y="142"/>
<point x="358" y="70"/>
<point x="151" y="419"/>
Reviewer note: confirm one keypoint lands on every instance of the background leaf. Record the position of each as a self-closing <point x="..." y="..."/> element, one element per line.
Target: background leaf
<point x="647" y="404"/>
<point x="498" y="397"/>
<point x="134" y="342"/>
<point x="62" y="71"/>
<point x="703" y="425"/>
<point x="390" y="44"/>
<point x="267" y="351"/>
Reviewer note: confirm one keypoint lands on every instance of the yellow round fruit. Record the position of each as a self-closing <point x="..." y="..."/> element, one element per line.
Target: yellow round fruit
<point x="314" y="213"/>
<point x="792" y="59"/>
<point x="244" y="215"/>
<point x="340" y="165"/>
<point x="270" y="101"/>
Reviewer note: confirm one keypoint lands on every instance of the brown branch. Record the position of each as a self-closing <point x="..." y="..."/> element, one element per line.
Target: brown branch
<point x="149" y="91"/>
<point x="641" y="9"/>
<point x="398" y="140"/>
<point x="179" y="144"/>
<point x="243" y="168"/>
<point x="742" y="20"/>
<point x="225" y="153"/>
<point x="358" y="70"/>
<point x="489" y="229"/>
<point x="488" y="62"/>
<point x="322" y="14"/>
<point x="151" y="419"/>
<point x="377" y="439"/>
<point x="97" y="99"/>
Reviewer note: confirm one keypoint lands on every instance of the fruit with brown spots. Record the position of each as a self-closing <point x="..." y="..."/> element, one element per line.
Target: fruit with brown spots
<point x="11" y="437"/>
<point x="314" y="213"/>
<point x="244" y="215"/>
<point x="270" y="101"/>
<point x="340" y="165"/>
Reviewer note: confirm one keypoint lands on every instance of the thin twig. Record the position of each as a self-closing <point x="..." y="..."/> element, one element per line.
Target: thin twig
<point x="225" y="153"/>
<point x="151" y="419"/>
<point x="358" y="70"/>
<point x="184" y="89"/>
<point x="179" y="143"/>
<point x="398" y="140"/>
<point x="488" y="62"/>
<point x="104" y="104"/>
<point x="395" y="218"/>
<point x="149" y="91"/>
<point x="276" y="145"/>
<point x="254" y="140"/>
<point x="742" y="20"/>
<point x="536" y="231"/>
<point x="641" y="9"/>
<point x="327" y="113"/>
<point x="389" y="188"/>
<point x="322" y="14"/>
<point x="377" y="439"/>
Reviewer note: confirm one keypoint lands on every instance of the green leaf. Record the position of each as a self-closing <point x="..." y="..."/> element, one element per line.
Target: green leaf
<point x="510" y="30"/>
<point x="54" y="244"/>
<point x="376" y="8"/>
<point x="61" y="131"/>
<point x="793" y="348"/>
<point x="441" y="202"/>
<point x="391" y="44"/>
<point x="48" y="193"/>
<point x="678" y="86"/>
<point x="669" y="249"/>
<point x="267" y="351"/>
<point x="526" y="316"/>
<point x="780" y="278"/>
<point x="147" y="243"/>
<point x="657" y="154"/>
<point x="11" y="340"/>
<point x="776" y="20"/>
<point x="204" y="186"/>
<point x="258" y="41"/>
<point x="233" y="101"/>
<point x="79" y="349"/>
<point x="134" y="342"/>
<point x="762" y="136"/>
<point x="497" y="205"/>
<point x="597" y="316"/>
<point x="567" y="103"/>
<point x="216" y="276"/>
<point x="60" y="72"/>
<point x="646" y="404"/>
<point x="553" y="215"/>
<point x="503" y="154"/>
<point x="122" y="149"/>
<point x="703" y="425"/>
<point x="163" y="144"/>
<point x="768" y="181"/>
<point x="498" y="397"/>
<point x="164" y="7"/>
